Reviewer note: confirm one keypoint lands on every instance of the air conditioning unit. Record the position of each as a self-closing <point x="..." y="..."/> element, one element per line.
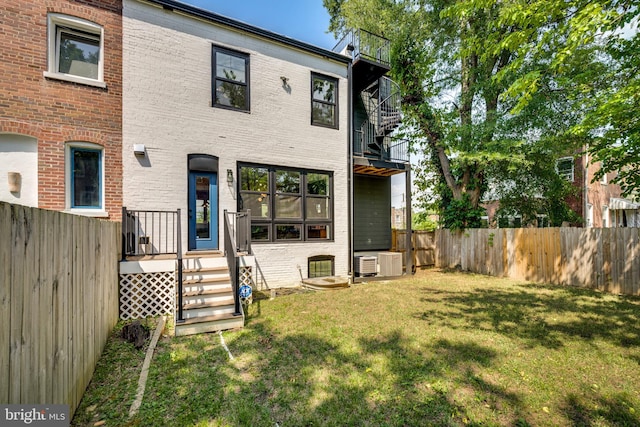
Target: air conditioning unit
<point x="365" y="265"/>
<point x="390" y="263"/>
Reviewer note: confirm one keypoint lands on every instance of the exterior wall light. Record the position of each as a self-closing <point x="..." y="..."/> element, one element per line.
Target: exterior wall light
<point x="229" y="176"/>
<point x="15" y="181"/>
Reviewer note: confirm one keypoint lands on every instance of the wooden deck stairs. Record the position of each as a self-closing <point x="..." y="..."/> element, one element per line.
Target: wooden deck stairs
<point x="207" y="295"/>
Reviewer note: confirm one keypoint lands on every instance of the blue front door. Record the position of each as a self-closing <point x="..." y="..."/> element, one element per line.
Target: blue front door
<point x="203" y="210"/>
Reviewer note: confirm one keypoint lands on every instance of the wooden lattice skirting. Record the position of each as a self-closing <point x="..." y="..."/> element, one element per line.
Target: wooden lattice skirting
<point x="147" y="294"/>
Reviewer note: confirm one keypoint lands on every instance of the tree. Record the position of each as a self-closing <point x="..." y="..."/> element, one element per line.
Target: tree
<point x="457" y="62"/>
<point x="611" y="120"/>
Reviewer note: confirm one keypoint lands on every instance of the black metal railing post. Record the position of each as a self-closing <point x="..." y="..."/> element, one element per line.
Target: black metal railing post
<point x="232" y="230"/>
<point x="247" y="228"/>
<point x="124" y="233"/>
<point x="178" y="240"/>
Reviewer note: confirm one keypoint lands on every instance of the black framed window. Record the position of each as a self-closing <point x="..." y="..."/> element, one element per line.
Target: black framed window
<point x="230" y="79"/>
<point x="287" y="204"/>
<point x="324" y="101"/>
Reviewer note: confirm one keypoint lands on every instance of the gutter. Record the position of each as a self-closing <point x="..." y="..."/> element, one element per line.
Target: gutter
<point x="172" y="5"/>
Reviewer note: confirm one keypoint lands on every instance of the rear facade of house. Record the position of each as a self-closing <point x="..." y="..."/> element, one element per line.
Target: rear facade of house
<point x="220" y="116"/>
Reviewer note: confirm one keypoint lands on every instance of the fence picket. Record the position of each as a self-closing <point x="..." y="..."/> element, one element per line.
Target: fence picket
<point x="605" y="259"/>
<point x="58" y="301"/>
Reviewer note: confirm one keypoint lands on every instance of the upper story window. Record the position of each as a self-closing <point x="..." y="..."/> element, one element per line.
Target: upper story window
<point x="75" y="50"/>
<point x="230" y="79"/>
<point x="564" y="167"/>
<point x="603" y="180"/>
<point x="324" y="104"/>
<point x="85" y="178"/>
<point x="287" y="204"/>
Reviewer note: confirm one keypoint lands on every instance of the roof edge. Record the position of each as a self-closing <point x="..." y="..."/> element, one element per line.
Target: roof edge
<point x="242" y="26"/>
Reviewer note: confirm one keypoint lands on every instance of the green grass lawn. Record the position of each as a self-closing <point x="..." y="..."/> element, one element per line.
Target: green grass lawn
<point x="434" y="349"/>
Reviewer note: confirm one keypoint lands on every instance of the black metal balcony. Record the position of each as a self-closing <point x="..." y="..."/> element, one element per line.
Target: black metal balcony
<point x="371" y="56"/>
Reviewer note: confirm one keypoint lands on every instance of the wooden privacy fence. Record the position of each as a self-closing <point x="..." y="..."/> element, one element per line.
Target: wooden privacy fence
<point x="58" y="302"/>
<point x="422" y="243"/>
<point x="607" y="259"/>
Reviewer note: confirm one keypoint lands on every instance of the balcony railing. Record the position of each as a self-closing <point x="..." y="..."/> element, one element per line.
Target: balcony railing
<point x="366" y="144"/>
<point x="366" y="45"/>
<point x="150" y="232"/>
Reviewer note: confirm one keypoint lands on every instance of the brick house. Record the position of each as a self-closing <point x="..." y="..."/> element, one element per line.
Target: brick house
<point x="60" y="115"/>
<point x="599" y="203"/>
<point x="252" y="143"/>
<point x="604" y="205"/>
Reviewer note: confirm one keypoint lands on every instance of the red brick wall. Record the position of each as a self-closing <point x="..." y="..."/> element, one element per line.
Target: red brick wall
<point x="599" y="194"/>
<point x="54" y="111"/>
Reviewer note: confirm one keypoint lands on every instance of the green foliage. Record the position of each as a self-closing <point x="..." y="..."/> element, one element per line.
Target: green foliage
<point x="494" y="92"/>
<point x="614" y="118"/>
<point x="461" y="214"/>
<point x="481" y="88"/>
<point x="422" y="221"/>
<point x="594" y="47"/>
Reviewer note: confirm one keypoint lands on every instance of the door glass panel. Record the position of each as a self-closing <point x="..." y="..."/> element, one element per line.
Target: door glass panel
<point x="203" y="208"/>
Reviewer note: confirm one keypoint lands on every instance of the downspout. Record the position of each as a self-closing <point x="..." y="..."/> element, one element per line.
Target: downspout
<point x="350" y="161"/>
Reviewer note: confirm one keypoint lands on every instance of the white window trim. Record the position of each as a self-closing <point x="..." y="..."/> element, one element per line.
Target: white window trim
<point x="99" y="212"/>
<point x="606" y="219"/>
<point x="56" y="20"/>
<point x="573" y="167"/>
<point x="604" y="179"/>
<point x="589" y="215"/>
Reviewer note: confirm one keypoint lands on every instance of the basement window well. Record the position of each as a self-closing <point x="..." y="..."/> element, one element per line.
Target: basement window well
<point x="321" y="266"/>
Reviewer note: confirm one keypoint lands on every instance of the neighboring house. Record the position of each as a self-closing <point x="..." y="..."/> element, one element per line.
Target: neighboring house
<point x="221" y="118"/>
<point x="598" y="202"/>
<point x="60" y="109"/>
<point x="604" y="205"/>
<point x="398" y="221"/>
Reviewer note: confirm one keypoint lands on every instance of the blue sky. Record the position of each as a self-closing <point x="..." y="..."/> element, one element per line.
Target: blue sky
<point x="304" y="20"/>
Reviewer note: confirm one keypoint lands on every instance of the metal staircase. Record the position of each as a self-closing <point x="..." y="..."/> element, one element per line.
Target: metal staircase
<point x="382" y="102"/>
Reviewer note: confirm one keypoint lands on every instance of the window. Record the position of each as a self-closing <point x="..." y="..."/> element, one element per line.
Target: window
<point x="321" y="266"/>
<point x="75" y="50"/>
<point x="287" y="204"/>
<point x="564" y="168"/>
<point x="603" y="180"/>
<point x="605" y="216"/>
<point x="589" y="215"/>
<point x="84" y="179"/>
<point x="324" y="95"/>
<point x="230" y="79"/>
<point x="543" y="221"/>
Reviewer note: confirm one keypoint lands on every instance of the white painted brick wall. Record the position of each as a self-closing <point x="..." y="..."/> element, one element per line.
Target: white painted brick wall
<point x="166" y="106"/>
